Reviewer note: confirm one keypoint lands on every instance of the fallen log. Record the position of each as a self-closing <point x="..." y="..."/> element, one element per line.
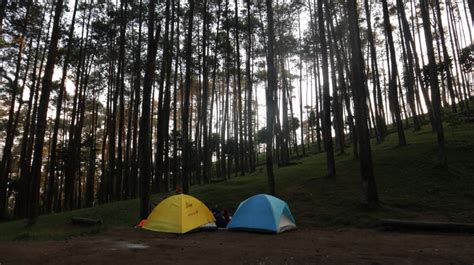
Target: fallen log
<point x="85" y="221"/>
<point x="428" y="226"/>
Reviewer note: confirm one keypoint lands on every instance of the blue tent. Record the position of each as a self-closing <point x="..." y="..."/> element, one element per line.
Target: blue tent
<point x="263" y="213"/>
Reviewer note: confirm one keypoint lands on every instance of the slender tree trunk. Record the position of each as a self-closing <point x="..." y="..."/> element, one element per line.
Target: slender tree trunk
<point x="144" y="140"/>
<point x="456" y="50"/>
<point x="285" y="134"/>
<point x="379" y="113"/>
<point x="436" y="100"/>
<point x="90" y="178"/>
<point x="163" y="100"/>
<point x="250" y="149"/>
<point x="269" y="92"/>
<point x="21" y="200"/>
<point x="239" y="120"/>
<point x="337" y="110"/>
<point x="42" y="112"/>
<point x="133" y="180"/>
<point x="121" y="101"/>
<point x="187" y="89"/>
<point x="10" y="128"/>
<point x="327" y="137"/>
<point x="53" y="157"/>
<point x="410" y="78"/>
<point x="360" y="106"/>
<point x="206" y="158"/>
<point x="300" y="66"/>
<point x="175" y="102"/>
<point x="446" y="59"/>
<point x="393" y="91"/>
<point x="75" y="129"/>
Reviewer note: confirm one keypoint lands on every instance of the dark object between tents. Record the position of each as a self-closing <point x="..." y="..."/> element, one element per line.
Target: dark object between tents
<point x="428" y="226"/>
<point x="85" y="221"/>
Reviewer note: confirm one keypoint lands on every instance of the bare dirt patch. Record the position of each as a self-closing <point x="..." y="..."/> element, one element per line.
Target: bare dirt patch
<point x="303" y="246"/>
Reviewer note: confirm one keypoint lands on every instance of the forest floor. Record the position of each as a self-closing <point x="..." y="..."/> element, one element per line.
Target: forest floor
<point x="302" y="246"/>
<point x="334" y="225"/>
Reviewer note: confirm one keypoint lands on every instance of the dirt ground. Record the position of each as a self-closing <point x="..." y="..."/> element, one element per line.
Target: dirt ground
<point x="302" y="246"/>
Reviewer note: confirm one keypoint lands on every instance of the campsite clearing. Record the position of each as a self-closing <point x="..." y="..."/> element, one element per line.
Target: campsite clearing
<point x="302" y="246"/>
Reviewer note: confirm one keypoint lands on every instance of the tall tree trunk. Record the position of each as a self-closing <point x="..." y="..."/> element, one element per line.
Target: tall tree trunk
<point x="379" y="113"/>
<point x="393" y="91"/>
<point x="187" y="89"/>
<point x="90" y="178"/>
<point x="136" y="105"/>
<point x="21" y="200"/>
<point x="327" y="135"/>
<point x="410" y="78"/>
<point x="436" y="99"/>
<point x="300" y="66"/>
<point x="144" y="140"/>
<point x="337" y="110"/>
<point x="239" y="120"/>
<point x="269" y="92"/>
<point x="121" y="104"/>
<point x="75" y="129"/>
<point x="456" y="54"/>
<point x="206" y="159"/>
<point x="225" y="113"/>
<point x="10" y="128"/>
<point x="360" y="106"/>
<point x="446" y="59"/>
<point x="112" y="122"/>
<point x="42" y="113"/>
<point x="163" y="105"/>
<point x="250" y="149"/>
<point x="285" y="134"/>
<point x="175" y="103"/>
<point x="53" y="157"/>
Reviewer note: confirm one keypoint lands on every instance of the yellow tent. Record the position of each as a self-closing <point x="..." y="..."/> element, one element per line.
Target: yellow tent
<point x="179" y="214"/>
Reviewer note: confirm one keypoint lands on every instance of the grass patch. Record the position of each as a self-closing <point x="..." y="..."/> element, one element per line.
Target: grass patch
<point x="410" y="185"/>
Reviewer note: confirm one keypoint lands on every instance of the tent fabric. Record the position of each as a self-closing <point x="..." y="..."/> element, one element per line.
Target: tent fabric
<point x="263" y="213"/>
<point x="179" y="214"/>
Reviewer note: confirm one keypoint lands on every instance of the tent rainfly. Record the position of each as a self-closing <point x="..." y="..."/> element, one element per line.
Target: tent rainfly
<point x="180" y="214"/>
<point x="263" y="213"/>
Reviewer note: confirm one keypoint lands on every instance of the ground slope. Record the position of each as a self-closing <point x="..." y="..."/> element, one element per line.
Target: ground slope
<point x="410" y="185"/>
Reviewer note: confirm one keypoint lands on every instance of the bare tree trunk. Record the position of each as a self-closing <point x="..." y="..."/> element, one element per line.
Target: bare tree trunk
<point x="53" y="157"/>
<point x="144" y="140"/>
<point x="360" y="107"/>
<point x="272" y="85"/>
<point x="379" y="113"/>
<point x="327" y="135"/>
<point x="187" y="89"/>
<point x="75" y="129"/>
<point x="90" y="177"/>
<point x="300" y="66"/>
<point x="337" y="110"/>
<point x="433" y="82"/>
<point x="393" y="91"/>
<point x="10" y="128"/>
<point x="133" y="180"/>
<point x="42" y="112"/>
<point x="410" y="78"/>
<point x="206" y="158"/>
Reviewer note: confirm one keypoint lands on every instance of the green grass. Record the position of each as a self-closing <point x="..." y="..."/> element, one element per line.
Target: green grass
<point x="410" y="184"/>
